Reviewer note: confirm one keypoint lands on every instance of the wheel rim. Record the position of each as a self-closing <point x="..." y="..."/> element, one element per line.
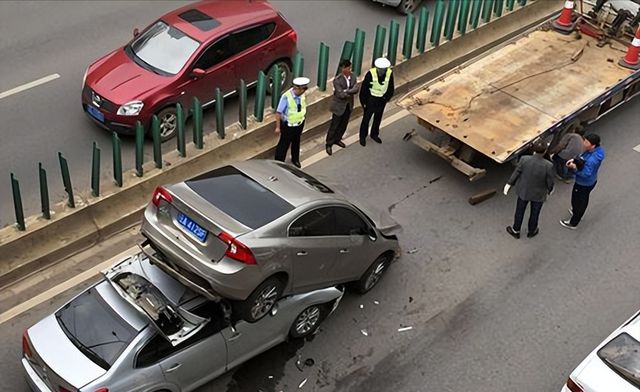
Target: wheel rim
<point x="375" y="275"/>
<point x="307" y="320"/>
<point x="264" y="302"/>
<point x="409" y="6"/>
<point x="168" y="124"/>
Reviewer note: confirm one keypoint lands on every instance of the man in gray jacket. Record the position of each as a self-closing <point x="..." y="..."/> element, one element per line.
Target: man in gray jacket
<point x="345" y="86"/>
<point x="533" y="179"/>
<point x="569" y="147"/>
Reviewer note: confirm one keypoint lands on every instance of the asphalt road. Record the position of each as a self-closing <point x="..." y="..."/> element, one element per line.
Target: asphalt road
<point x="489" y="313"/>
<point x="43" y="38"/>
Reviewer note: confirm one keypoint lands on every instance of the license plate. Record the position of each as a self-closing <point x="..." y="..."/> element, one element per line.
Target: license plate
<point x="192" y="227"/>
<point x="95" y="113"/>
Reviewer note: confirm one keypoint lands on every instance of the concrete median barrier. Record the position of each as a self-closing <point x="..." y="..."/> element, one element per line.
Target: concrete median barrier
<point x="46" y="242"/>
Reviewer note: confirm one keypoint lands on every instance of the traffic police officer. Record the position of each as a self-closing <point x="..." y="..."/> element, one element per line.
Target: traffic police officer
<point x="290" y="116"/>
<point x="376" y="91"/>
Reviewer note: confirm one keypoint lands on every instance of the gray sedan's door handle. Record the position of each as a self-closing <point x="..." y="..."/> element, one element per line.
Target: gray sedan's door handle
<point x="302" y="253"/>
<point x="175" y="366"/>
<point x="343" y="251"/>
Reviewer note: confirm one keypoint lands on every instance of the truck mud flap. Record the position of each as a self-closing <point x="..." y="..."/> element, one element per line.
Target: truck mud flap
<point x="472" y="173"/>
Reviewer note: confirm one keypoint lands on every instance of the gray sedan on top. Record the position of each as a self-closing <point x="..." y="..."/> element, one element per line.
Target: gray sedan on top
<point x="139" y="330"/>
<point x="256" y="230"/>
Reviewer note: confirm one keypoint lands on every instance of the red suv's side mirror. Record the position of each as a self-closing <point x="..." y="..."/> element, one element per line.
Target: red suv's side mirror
<point x="136" y="32"/>
<point x="197" y="73"/>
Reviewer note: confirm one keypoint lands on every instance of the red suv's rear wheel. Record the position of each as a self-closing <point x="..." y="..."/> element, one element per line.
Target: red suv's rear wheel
<point x="168" y="123"/>
<point x="285" y="76"/>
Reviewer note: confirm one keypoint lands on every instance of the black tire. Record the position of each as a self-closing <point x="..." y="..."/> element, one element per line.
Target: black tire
<point x="261" y="301"/>
<point x="285" y="73"/>
<point x="168" y="123"/>
<point x="372" y="275"/>
<point x="408" y="6"/>
<point x="308" y="321"/>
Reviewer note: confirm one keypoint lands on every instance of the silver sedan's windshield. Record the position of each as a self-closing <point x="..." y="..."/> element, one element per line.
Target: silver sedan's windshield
<point x="164" y="48"/>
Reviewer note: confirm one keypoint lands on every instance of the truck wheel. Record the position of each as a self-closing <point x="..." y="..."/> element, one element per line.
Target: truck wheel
<point x="372" y="275"/>
<point x="285" y="76"/>
<point x="307" y="321"/>
<point x="260" y="302"/>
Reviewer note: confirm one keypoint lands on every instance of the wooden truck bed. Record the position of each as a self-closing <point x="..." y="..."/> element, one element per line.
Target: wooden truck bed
<point x="500" y="102"/>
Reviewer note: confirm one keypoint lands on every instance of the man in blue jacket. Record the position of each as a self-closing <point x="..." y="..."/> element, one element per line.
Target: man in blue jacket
<point x="585" y="168"/>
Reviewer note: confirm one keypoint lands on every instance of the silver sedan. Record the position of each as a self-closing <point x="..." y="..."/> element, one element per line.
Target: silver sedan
<point x="139" y="329"/>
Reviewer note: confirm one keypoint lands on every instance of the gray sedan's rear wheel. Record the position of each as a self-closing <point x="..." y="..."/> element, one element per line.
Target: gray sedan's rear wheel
<point x="261" y="301"/>
<point x="307" y="321"/>
<point x="372" y="275"/>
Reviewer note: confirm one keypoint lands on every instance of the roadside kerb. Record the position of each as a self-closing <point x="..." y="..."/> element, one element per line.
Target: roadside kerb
<point x="72" y="230"/>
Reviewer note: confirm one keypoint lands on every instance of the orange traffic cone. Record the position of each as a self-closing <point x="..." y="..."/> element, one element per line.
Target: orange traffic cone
<point x="631" y="60"/>
<point x="564" y="23"/>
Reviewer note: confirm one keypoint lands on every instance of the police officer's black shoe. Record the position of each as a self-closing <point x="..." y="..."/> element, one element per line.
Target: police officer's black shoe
<point x="341" y="145"/>
<point x="363" y="142"/>
<point x="297" y="164"/>
<point x="328" y="149"/>
<point x="376" y="139"/>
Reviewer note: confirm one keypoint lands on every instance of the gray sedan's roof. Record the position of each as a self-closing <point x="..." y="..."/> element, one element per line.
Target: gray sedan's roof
<point x="286" y="181"/>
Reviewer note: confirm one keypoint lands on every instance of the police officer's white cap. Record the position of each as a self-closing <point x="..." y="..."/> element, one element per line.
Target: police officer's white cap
<point x="301" y="81"/>
<point x="382" y="62"/>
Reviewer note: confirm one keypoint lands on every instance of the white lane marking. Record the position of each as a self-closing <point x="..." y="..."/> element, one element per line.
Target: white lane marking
<point x="52" y="292"/>
<point x="29" y="85"/>
<point x="355" y="138"/>
<point x="637" y="148"/>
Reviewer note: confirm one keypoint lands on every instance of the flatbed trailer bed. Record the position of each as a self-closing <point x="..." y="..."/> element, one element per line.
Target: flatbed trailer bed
<point x="537" y="85"/>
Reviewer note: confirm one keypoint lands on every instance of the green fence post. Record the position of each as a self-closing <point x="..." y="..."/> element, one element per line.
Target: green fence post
<point x="510" y="4"/>
<point x="95" y="170"/>
<point x="157" y="145"/>
<point x="392" y="50"/>
<point x="423" y="26"/>
<point x="436" y="28"/>
<point x="117" y="159"/>
<point x="276" y="85"/>
<point x="452" y="14"/>
<point x="66" y="179"/>
<point x="407" y="42"/>
<point x="323" y="64"/>
<point x="487" y="11"/>
<point x="346" y="54"/>
<point x="378" y="43"/>
<point x="197" y="123"/>
<point x="463" y="18"/>
<point x="242" y="108"/>
<point x="220" y="112"/>
<point x="475" y="13"/>
<point x="139" y="148"/>
<point x="17" y="203"/>
<point x="261" y="91"/>
<point x="298" y="65"/>
<point x="358" y="52"/>
<point x="181" y="139"/>
<point x="44" y="192"/>
<point x="498" y="7"/>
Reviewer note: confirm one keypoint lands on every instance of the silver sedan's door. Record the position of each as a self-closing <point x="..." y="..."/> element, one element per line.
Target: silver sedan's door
<point x="355" y="247"/>
<point x="196" y="364"/>
<point x="251" y="339"/>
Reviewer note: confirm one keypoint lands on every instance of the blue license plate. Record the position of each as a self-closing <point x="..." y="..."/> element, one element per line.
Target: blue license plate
<point x="95" y="113"/>
<point x="192" y="227"/>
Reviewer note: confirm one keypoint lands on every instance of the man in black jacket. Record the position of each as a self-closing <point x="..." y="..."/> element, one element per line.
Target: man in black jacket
<point x="533" y="179"/>
<point x="376" y="91"/>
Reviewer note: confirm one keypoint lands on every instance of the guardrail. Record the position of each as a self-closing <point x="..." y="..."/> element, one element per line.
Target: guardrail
<point x="250" y="136"/>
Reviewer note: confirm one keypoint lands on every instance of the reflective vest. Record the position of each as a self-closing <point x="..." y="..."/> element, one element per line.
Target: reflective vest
<point x="295" y="117"/>
<point x="377" y="89"/>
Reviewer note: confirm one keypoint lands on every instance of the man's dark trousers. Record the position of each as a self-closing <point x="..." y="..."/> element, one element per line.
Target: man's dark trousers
<point x="534" y="214"/>
<point x="374" y="109"/>
<point x="289" y="136"/>
<point x="579" y="202"/>
<point x="338" y="126"/>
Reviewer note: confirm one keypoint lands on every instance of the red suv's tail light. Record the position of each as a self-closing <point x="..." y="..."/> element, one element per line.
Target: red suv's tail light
<point x="26" y="349"/>
<point x="293" y="35"/>
<point x="237" y="250"/>
<point x="103" y="390"/>
<point x="161" y="193"/>
<point x="573" y="387"/>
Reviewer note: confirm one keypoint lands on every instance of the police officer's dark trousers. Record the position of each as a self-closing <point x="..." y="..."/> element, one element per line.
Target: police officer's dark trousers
<point x="374" y="108"/>
<point x="289" y="136"/>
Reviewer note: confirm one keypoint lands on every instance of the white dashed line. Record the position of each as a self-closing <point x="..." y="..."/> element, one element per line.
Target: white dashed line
<point x="29" y="85"/>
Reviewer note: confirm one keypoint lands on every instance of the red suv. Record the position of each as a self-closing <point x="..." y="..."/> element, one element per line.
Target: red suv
<point x="186" y="53"/>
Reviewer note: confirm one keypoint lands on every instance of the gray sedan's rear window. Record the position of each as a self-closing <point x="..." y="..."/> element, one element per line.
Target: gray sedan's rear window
<point x="239" y="196"/>
<point x="95" y="329"/>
